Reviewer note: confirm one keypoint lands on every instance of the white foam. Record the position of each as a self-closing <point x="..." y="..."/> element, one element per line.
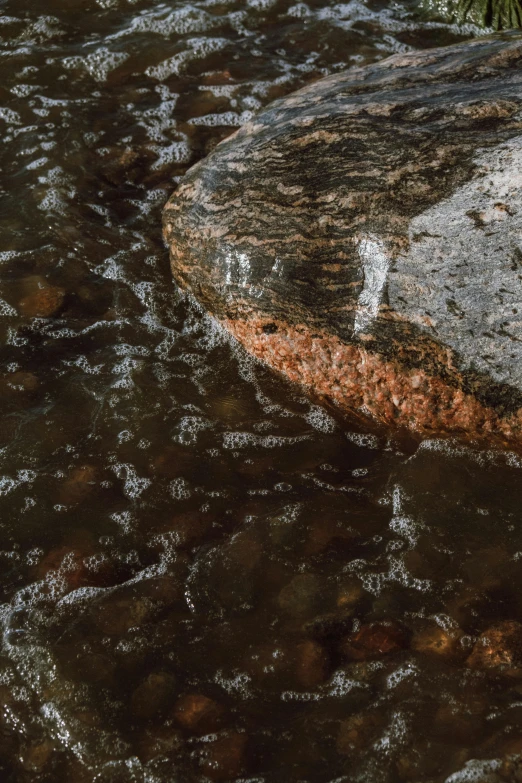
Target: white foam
<point x="341" y="684"/>
<point x="180" y="21"/>
<point x="7" y="484"/>
<point x="320" y="419"/>
<point x="230" y="118"/>
<point x="299" y="10"/>
<point x="188" y="428"/>
<point x="261" y="5"/>
<point x="477" y="771"/>
<point x="400" y="674"/>
<point x="239" y="440"/>
<point x="125" y="520"/>
<point x="133" y="485"/>
<point x="10" y="116"/>
<point x="363" y="440"/>
<point x="180" y="488"/>
<point x="6" y="310"/>
<point x="197" y="49"/>
<point x="237" y="685"/>
<point x="99" y="64"/>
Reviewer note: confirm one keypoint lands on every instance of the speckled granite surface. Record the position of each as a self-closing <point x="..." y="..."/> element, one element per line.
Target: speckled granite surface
<point x="364" y="237"/>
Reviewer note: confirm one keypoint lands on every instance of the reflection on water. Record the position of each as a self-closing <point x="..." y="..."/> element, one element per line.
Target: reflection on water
<point x="204" y="575"/>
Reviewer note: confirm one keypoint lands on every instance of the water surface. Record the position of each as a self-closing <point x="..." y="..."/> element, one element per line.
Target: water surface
<point x="206" y="576"/>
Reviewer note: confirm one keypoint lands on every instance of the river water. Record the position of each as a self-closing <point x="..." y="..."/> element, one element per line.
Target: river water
<point x="204" y="575"/>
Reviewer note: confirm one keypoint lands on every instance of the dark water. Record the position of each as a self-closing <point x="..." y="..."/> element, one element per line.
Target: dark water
<point x="205" y="576"/>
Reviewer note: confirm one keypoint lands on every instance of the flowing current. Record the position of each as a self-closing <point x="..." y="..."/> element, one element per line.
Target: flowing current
<point x="204" y="575"/>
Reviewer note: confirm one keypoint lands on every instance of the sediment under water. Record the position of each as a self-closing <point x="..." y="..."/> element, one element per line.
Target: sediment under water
<point x="204" y="574"/>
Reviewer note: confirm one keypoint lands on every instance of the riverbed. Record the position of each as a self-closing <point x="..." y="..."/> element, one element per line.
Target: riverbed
<point x="205" y="575"/>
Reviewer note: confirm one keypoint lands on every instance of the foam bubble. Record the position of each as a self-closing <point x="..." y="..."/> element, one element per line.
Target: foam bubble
<point x="133" y="485"/>
<point x="341" y="684"/>
<point x="6" y="309"/>
<point x="7" y="485"/>
<point x="237" y="685"/>
<point x="180" y="488"/>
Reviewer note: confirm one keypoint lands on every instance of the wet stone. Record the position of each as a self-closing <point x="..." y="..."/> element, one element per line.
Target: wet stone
<point x="268" y="662"/>
<point x="358" y="731"/>
<point x="511" y="769"/>
<point x="22" y="381"/>
<point x="133" y="606"/>
<point x="375" y="640"/>
<point x="197" y="713"/>
<point x="438" y="642"/>
<point x="458" y="724"/>
<point x="160" y="742"/>
<point x="312" y="665"/>
<point x="95" y="668"/>
<point x="326" y="533"/>
<point x="78" y="485"/>
<point x="433" y="759"/>
<point x="499" y="649"/>
<point x="349" y="594"/>
<point x="153" y="695"/>
<point x="119" y="615"/>
<point x="189" y="528"/>
<point x="330" y="626"/>
<point x="358" y="195"/>
<point x="37" y="755"/>
<point x="301" y="596"/>
<point x="485" y="567"/>
<point x="225" y="757"/>
<point x="41" y="299"/>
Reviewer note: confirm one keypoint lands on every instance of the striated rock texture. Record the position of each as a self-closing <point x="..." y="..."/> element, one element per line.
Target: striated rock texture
<point x="363" y="236"/>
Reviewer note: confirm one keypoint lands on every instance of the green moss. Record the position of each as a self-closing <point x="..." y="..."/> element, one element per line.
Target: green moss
<point x="498" y="14"/>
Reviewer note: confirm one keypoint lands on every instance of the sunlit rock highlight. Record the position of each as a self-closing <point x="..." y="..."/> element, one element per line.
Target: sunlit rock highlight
<point x="363" y="237"/>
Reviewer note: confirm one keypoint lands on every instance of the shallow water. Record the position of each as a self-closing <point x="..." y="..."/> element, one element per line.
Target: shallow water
<point x="204" y="574"/>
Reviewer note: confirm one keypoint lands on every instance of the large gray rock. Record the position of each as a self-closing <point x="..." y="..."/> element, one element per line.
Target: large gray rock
<point x="364" y="237"/>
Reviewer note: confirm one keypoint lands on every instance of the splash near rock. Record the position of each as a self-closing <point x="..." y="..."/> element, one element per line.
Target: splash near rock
<point x="363" y="236"/>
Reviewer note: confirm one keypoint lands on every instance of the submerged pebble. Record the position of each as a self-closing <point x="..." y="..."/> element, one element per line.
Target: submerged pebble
<point x="40" y="299"/>
<point x="197" y="713"/>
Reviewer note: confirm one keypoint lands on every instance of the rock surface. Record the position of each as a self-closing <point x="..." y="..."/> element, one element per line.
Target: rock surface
<point x="363" y="236"/>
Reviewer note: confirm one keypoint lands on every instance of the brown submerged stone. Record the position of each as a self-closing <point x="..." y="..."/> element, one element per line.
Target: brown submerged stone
<point x="41" y="299"/>
<point x="224" y="758"/>
<point x="438" y="642"/>
<point x="374" y="640"/>
<point x="197" y="713"/>
<point x="499" y="649"/>
<point x="362" y="237"/>
<point x="312" y="664"/>
<point x="358" y="731"/>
